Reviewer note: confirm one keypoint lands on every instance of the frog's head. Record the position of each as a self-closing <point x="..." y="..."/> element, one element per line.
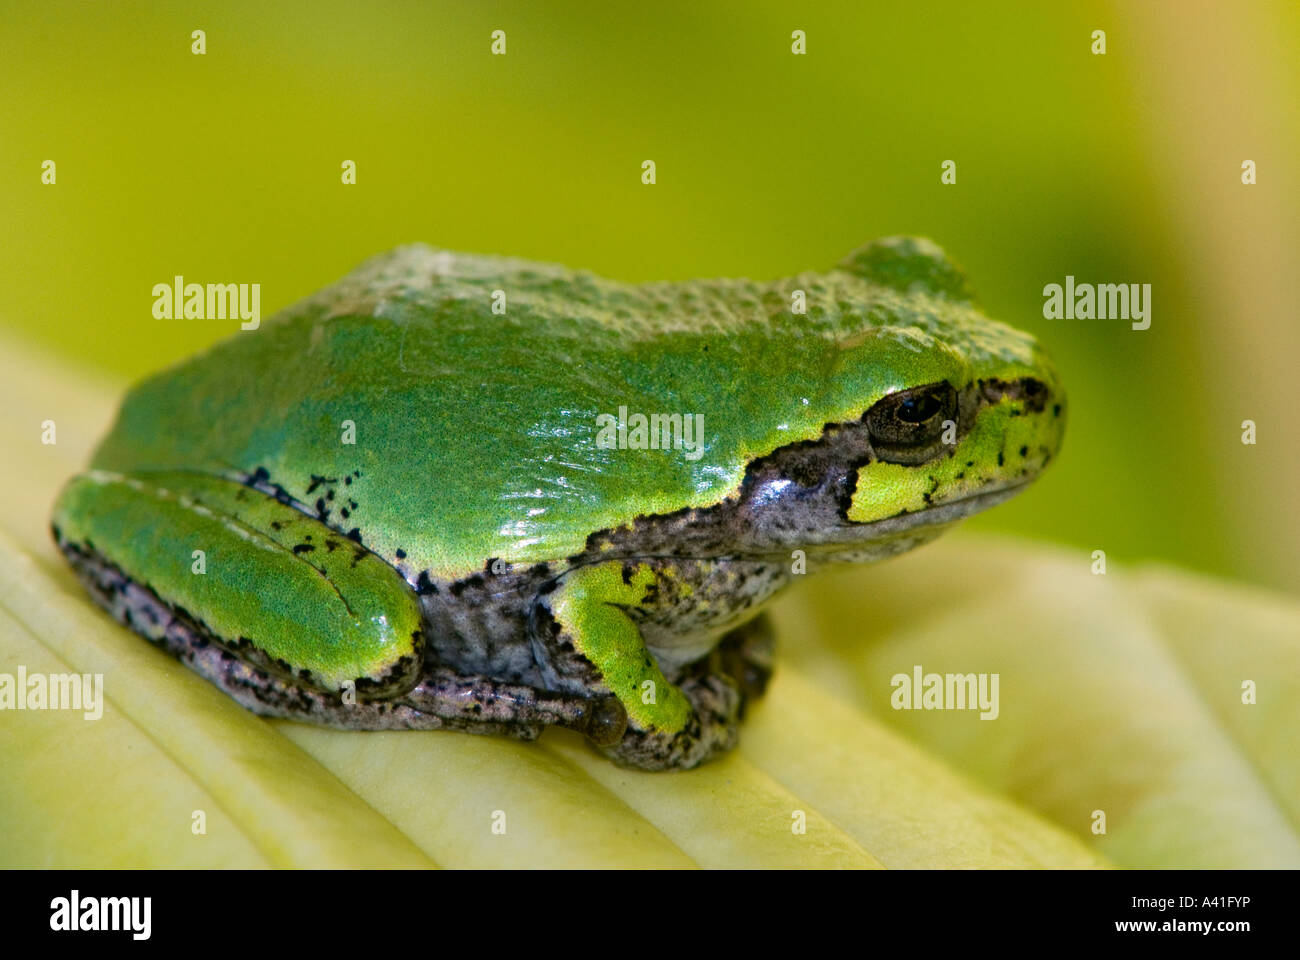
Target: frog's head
<point x="938" y="413"/>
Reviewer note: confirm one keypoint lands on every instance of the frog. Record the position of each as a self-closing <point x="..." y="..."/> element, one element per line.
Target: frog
<point x="402" y="503"/>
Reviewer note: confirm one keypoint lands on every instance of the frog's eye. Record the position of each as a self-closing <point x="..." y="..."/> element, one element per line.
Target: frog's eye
<point x="902" y="422"/>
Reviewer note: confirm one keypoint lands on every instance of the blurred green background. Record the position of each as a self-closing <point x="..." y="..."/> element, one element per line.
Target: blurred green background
<point x="1117" y="168"/>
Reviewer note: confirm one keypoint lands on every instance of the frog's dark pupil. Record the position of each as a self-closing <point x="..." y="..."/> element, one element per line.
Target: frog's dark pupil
<point x="918" y="409"/>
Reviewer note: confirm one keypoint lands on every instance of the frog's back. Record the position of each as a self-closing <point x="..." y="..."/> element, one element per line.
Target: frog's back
<point x="403" y="407"/>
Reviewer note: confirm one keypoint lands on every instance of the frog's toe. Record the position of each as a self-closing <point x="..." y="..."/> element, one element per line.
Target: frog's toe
<point x="606" y="721"/>
<point x="712" y="729"/>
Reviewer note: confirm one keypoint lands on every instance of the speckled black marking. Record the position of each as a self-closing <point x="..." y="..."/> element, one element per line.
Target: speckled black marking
<point x="260" y="480"/>
<point x="318" y="481"/>
<point x="1033" y="393"/>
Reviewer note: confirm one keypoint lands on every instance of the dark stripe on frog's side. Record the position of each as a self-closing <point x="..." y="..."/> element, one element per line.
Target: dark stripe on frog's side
<point x="724" y="528"/>
<point x="700" y="531"/>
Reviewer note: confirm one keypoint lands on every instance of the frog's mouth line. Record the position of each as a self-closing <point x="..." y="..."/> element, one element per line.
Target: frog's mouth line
<point x="938" y="514"/>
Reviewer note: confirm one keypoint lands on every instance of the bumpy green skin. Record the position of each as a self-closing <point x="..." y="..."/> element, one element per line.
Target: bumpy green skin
<point x="475" y="457"/>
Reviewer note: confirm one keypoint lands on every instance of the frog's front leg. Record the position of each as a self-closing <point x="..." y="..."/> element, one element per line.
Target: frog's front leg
<point x="586" y="635"/>
<point x="285" y="614"/>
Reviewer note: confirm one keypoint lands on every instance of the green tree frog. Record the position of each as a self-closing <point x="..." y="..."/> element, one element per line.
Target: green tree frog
<point x="484" y="494"/>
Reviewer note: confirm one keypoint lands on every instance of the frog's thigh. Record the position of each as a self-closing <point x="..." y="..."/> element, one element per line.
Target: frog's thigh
<point x="669" y="725"/>
<point x="277" y="587"/>
<point x="260" y="690"/>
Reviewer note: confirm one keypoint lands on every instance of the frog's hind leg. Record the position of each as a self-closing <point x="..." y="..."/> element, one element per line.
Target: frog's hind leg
<point x="338" y="634"/>
<point x="586" y="638"/>
<point x="441" y="700"/>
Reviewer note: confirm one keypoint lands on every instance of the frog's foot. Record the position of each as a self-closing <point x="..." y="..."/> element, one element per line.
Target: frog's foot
<point x="712" y="728"/>
<point x="586" y="640"/>
<point x="482" y="705"/>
